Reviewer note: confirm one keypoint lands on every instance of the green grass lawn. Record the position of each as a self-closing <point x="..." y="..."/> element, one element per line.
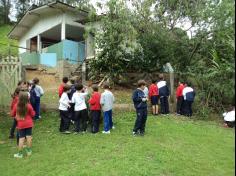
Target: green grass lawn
<point x="171" y="146"/>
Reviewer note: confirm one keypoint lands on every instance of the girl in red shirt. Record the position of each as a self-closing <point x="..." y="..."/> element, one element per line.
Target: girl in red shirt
<point x="153" y="94"/>
<point x="24" y="113"/>
<point x="14" y="101"/>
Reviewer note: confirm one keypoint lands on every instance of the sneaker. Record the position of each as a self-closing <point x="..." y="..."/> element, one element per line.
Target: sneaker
<point x="66" y="132"/>
<point x="40" y="117"/>
<point x="135" y="133"/>
<point x="113" y="127"/>
<point x="106" y="132"/>
<point x="73" y="122"/>
<point x="18" y="155"/>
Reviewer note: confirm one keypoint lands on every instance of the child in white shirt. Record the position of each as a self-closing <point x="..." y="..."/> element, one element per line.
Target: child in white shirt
<point x="229" y="118"/>
<point x="64" y="105"/>
<point x="80" y="108"/>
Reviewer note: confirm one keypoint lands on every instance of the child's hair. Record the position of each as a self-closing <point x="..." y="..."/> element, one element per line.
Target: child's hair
<point x="154" y="81"/>
<point x="106" y="85"/>
<point x="22" y="105"/>
<point x="72" y="81"/>
<point x="161" y="76"/>
<point x="17" y="91"/>
<point x="36" y="80"/>
<point x="141" y="83"/>
<point x="79" y="87"/>
<point x="66" y="88"/>
<point x="65" y="79"/>
<point x="95" y="88"/>
<point x="188" y="83"/>
<point x="19" y="83"/>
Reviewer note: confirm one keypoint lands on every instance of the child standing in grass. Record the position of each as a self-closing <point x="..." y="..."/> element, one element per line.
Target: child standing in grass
<point x="107" y="100"/>
<point x="229" y="118"/>
<point x="15" y="98"/>
<point x="70" y="94"/>
<point x="153" y="94"/>
<point x="23" y="113"/>
<point x="189" y="95"/>
<point x="163" y="94"/>
<point x="64" y="110"/>
<point x="140" y="104"/>
<point x="64" y="82"/>
<point x="80" y="108"/>
<point x="39" y="92"/>
<point x="179" y="98"/>
<point x="95" y="108"/>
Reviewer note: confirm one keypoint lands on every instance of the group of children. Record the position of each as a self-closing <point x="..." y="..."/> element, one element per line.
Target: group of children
<point x="77" y="104"/>
<point x="25" y="107"/>
<point x="159" y="91"/>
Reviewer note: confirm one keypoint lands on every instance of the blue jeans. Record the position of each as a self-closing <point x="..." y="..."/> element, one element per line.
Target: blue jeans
<point x="37" y="108"/>
<point x="108" y="120"/>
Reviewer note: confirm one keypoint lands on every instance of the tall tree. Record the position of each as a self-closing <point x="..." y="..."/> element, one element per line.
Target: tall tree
<point x="116" y="42"/>
<point x="5" y="6"/>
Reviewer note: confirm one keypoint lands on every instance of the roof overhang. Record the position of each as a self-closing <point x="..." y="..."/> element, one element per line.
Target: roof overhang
<point x="34" y="14"/>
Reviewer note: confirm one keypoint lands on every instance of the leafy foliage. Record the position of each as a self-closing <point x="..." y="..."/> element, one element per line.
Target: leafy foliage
<point x="149" y="34"/>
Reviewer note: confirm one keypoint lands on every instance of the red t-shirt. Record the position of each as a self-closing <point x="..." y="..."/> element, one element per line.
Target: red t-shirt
<point x="153" y="90"/>
<point x="179" y="90"/>
<point x="61" y="89"/>
<point x="94" y="101"/>
<point x="28" y="120"/>
<point x="14" y="102"/>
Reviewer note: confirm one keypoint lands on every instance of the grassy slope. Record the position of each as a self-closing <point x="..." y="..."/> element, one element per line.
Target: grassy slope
<point x="171" y="147"/>
<point x="4" y="29"/>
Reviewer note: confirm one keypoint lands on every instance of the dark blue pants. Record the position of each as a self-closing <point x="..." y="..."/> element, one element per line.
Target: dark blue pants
<point x="95" y="115"/>
<point x="37" y="108"/>
<point x="164" y="105"/>
<point x="65" y="121"/>
<point x="188" y="108"/>
<point x="13" y="127"/>
<point x="140" y="122"/>
<point x="108" y="123"/>
<point x="179" y="108"/>
<point x="81" y="119"/>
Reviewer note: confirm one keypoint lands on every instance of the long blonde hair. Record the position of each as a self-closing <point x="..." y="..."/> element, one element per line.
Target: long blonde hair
<point x="21" y="109"/>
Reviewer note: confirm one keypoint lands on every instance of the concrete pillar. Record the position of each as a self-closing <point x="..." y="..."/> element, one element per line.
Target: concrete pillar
<point x="39" y="43"/>
<point x="63" y="28"/>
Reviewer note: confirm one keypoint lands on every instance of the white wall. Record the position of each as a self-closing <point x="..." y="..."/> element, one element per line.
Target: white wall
<point x="51" y="20"/>
<point x="45" y="23"/>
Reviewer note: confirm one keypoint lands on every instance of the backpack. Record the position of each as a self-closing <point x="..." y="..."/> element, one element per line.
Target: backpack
<point x="190" y="96"/>
<point x="32" y="96"/>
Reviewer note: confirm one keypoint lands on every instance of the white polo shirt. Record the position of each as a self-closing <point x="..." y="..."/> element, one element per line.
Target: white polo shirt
<point x="79" y="99"/>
